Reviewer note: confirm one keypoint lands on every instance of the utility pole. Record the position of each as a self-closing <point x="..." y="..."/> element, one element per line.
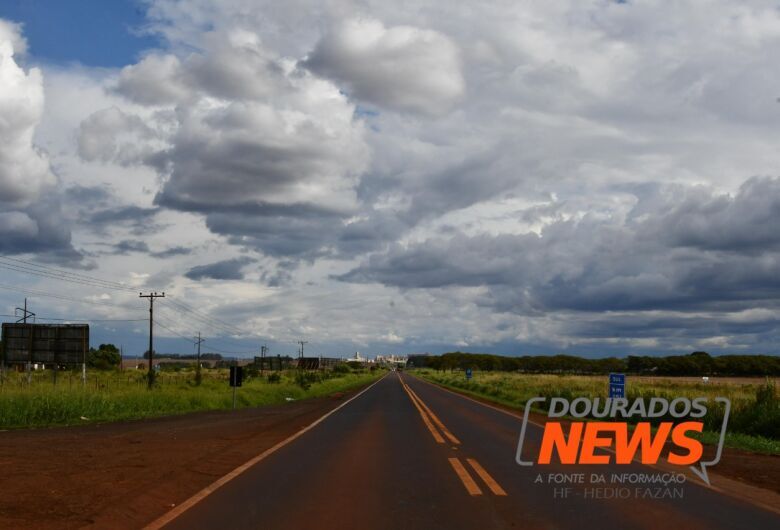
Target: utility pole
<point x="25" y="313"/>
<point x="198" y="376"/>
<point x="151" y="297"/>
<point x="30" y="337"/>
<point x="302" y="342"/>
<point x="263" y="350"/>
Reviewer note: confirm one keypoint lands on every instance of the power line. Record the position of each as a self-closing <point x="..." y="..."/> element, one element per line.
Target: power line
<point x="214" y="321"/>
<point x="45" y="269"/>
<point x="84" y="319"/>
<point x="61" y="277"/>
<point x="35" y="292"/>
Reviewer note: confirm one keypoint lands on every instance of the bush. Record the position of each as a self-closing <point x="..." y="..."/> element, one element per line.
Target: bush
<point x="341" y="368"/>
<point x="760" y="417"/>
<point x="274" y="377"/>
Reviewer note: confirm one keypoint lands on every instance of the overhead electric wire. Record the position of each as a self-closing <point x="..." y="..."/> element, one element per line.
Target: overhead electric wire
<point x="190" y="309"/>
<point x="54" y="276"/>
<point x="188" y="339"/>
<point x="26" y="265"/>
<point x="209" y="342"/>
<point x="35" y="292"/>
<point x="179" y="307"/>
<point x="84" y="319"/>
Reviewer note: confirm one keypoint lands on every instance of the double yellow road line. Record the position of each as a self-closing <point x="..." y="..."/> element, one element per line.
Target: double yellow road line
<point x="439" y="432"/>
<point x="429" y="418"/>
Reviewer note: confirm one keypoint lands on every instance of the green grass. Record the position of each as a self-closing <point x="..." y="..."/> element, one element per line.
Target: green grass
<point x="754" y="424"/>
<point x="113" y="396"/>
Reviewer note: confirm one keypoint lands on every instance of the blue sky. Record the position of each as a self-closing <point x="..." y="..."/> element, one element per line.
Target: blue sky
<point x="91" y="32"/>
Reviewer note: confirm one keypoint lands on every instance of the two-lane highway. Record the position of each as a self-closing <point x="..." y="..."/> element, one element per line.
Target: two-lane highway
<point x="405" y="454"/>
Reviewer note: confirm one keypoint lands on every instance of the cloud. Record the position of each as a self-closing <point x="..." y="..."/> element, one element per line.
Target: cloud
<point x="30" y="207"/>
<point x="229" y="269"/>
<point x="253" y="142"/>
<point x="128" y="246"/>
<point x="401" y="67"/>
<point x="686" y="249"/>
<point x="562" y="176"/>
<point x="172" y="251"/>
<point x="110" y="135"/>
<point x="24" y="170"/>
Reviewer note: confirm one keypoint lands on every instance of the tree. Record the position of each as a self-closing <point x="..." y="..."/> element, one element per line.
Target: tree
<point x="105" y="357"/>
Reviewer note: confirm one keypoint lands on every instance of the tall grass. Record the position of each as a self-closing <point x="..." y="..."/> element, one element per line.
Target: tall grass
<point x="754" y="421"/>
<point x="116" y="396"/>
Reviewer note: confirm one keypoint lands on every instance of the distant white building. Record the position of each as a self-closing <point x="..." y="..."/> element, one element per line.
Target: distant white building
<point x="397" y="359"/>
<point x="357" y="358"/>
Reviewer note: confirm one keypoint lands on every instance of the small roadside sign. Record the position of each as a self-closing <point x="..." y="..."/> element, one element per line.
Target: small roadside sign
<point x="236" y="376"/>
<point x="617" y="385"/>
<point x="469" y="373"/>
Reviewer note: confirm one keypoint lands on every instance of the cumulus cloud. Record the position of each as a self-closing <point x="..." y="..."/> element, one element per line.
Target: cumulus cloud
<point x="110" y="135"/>
<point x="24" y="170"/>
<point x="30" y="210"/>
<point x="401" y="67"/>
<point x="254" y="142"/>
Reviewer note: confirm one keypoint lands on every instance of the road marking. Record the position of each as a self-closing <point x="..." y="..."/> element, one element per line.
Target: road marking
<point x="464" y="476"/>
<point x="436" y="420"/>
<point x="722" y="491"/>
<point x="211" y="488"/>
<point x="434" y="432"/>
<point x="486" y="478"/>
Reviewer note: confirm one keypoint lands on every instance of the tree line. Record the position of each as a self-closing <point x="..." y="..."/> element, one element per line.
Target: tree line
<point x="694" y="364"/>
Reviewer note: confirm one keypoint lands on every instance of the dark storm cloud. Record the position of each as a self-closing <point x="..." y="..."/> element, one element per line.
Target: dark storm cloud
<point x="748" y="222"/>
<point x="87" y="195"/>
<point x="121" y="214"/>
<point x="40" y="228"/>
<point x="221" y="270"/>
<point x="128" y="246"/>
<point x="170" y="252"/>
<point x="677" y="325"/>
<point x="692" y="251"/>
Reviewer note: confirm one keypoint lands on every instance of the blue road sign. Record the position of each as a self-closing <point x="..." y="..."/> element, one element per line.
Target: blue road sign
<point x="617" y="391"/>
<point x="468" y="373"/>
<point x="617" y="379"/>
<point x="617" y="385"/>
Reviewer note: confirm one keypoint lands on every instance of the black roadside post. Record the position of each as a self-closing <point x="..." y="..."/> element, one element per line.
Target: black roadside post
<point x="236" y="377"/>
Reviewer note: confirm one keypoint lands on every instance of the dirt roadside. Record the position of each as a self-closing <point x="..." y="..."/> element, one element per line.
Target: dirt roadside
<point x="125" y="474"/>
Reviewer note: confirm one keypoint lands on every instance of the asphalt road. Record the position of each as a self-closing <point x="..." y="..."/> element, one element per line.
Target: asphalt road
<point x="409" y="455"/>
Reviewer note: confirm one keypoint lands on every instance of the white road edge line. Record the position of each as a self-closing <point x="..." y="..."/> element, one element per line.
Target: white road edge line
<point x="169" y="516"/>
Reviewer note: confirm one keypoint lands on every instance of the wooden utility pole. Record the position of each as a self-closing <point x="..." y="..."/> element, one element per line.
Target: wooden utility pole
<point x="151" y="297"/>
<point x="198" y="376"/>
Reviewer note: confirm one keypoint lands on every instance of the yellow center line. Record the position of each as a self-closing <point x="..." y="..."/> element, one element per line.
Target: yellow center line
<point x="486" y="478"/>
<point x="464" y="476"/>
<point x="435" y="418"/>
<point x="434" y="432"/>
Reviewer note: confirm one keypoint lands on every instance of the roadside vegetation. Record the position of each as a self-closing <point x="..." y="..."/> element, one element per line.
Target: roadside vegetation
<point x="112" y="395"/>
<point x="754" y="422"/>
<point x="695" y="364"/>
